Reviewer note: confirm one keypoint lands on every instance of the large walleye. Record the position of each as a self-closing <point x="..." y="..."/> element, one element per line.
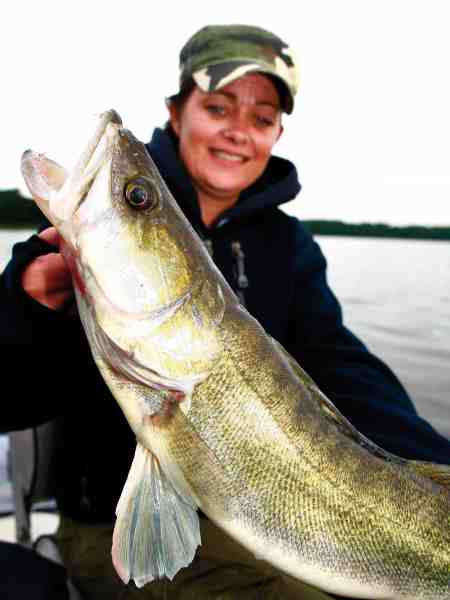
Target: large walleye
<point x="225" y="420"/>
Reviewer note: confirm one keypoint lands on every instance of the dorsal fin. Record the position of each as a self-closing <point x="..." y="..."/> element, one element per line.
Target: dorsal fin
<point x="332" y="414"/>
<point x="438" y="473"/>
<point x="326" y="406"/>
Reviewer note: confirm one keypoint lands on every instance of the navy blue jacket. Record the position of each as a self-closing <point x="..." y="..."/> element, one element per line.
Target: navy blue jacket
<point x="278" y="270"/>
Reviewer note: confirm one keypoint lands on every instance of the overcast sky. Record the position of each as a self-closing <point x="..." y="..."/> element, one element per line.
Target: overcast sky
<point x="371" y="131"/>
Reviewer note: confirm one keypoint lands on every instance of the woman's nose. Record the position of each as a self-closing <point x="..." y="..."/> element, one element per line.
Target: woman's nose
<point x="236" y="136"/>
<point x="237" y="132"/>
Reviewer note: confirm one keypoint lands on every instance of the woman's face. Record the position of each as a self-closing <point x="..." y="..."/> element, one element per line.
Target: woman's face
<point x="226" y="137"/>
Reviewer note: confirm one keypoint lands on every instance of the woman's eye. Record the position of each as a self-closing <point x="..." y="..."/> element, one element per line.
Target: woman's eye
<point x="140" y="194"/>
<point x="215" y="109"/>
<point x="264" y="121"/>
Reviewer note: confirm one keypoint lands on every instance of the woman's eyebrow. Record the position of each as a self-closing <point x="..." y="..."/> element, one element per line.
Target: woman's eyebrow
<point x="228" y="95"/>
<point x="233" y="97"/>
<point x="274" y="105"/>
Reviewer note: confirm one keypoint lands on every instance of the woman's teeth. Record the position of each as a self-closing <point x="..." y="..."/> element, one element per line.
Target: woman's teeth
<point x="226" y="156"/>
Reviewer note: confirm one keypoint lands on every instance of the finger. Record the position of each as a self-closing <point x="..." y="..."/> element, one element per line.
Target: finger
<point x="50" y="235"/>
<point x="51" y="271"/>
<point x="58" y="300"/>
<point x="47" y="280"/>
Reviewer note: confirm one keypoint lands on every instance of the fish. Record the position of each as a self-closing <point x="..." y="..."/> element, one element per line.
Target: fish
<point x="226" y="421"/>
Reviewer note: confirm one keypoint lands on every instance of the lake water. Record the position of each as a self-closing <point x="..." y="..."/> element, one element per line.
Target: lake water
<point x="396" y="298"/>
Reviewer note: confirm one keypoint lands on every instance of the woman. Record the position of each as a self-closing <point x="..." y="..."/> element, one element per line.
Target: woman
<point x="215" y="154"/>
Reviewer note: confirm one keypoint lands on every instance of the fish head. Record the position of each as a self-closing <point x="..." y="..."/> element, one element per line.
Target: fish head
<point x="147" y="291"/>
<point x="114" y="207"/>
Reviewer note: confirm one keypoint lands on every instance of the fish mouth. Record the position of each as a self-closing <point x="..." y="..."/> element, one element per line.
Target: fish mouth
<point x="98" y="150"/>
<point x="58" y="194"/>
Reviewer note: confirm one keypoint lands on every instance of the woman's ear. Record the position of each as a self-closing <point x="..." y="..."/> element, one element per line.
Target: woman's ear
<point x="280" y="132"/>
<point x="173" y="117"/>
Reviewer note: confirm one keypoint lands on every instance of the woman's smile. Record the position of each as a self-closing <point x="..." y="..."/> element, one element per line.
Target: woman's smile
<point x="227" y="156"/>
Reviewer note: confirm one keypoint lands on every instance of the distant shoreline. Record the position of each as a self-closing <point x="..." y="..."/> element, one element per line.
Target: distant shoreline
<point x="18" y="212"/>
<point x="378" y="230"/>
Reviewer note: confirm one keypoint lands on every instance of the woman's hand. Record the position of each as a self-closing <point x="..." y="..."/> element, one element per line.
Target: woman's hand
<point x="47" y="278"/>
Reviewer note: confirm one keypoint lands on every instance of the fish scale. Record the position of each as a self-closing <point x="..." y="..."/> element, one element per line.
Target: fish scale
<point x="225" y="420"/>
<point x="313" y="501"/>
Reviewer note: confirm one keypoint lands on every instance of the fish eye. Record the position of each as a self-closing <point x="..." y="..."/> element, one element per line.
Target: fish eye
<point x="141" y="194"/>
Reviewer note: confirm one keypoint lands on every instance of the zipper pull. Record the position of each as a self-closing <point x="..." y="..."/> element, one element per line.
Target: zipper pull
<point x="240" y="275"/>
<point x="239" y="255"/>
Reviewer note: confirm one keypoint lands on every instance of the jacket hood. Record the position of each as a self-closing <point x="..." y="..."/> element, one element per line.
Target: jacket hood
<point x="277" y="185"/>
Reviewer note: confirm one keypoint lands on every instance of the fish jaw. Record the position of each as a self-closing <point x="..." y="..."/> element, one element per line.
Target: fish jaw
<point x="58" y="193"/>
<point x="44" y="179"/>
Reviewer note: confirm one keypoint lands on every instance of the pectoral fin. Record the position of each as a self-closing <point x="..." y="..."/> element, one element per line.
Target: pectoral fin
<point x="157" y="530"/>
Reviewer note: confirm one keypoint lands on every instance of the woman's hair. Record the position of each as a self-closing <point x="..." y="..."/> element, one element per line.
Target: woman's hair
<point x="178" y="101"/>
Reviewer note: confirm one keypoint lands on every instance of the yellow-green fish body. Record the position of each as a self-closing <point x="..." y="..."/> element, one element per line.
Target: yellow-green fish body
<point x="225" y="420"/>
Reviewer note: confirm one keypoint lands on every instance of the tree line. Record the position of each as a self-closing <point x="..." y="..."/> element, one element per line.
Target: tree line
<point x="18" y="211"/>
<point x="415" y="232"/>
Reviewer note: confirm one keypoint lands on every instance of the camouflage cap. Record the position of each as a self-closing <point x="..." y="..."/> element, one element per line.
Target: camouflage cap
<point x="218" y="54"/>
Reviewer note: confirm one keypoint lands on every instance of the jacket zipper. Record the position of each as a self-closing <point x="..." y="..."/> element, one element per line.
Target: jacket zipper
<point x="240" y="275"/>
